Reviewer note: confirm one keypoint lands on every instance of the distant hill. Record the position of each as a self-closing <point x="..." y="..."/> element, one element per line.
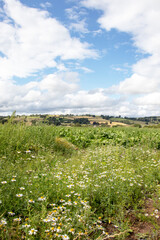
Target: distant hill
<point x="85" y="120"/>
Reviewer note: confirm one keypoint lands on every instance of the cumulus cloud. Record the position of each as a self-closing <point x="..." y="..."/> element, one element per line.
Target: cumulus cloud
<point x="149" y="99"/>
<point x="140" y="19"/>
<point x="55" y="92"/>
<point x="30" y="40"/>
<point x="60" y="93"/>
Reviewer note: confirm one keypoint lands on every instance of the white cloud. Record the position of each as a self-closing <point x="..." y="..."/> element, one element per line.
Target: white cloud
<point x="97" y="32"/>
<point x="60" y="93"/>
<point x="46" y="5"/>
<point x="31" y="40"/>
<point x="79" y="26"/>
<point x="137" y="84"/>
<point x="77" y="21"/>
<point x="149" y="99"/>
<point x="57" y="85"/>
<point x="55" y="92"/>
<point x="141" y="20"/>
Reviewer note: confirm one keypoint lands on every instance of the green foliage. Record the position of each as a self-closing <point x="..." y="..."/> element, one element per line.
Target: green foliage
<point x="81" y="121"/>
<point x="12" y="117"/>
<point x="48" y="186"/>
<point x="137" y="125"/>
<point x="53" y="120"/>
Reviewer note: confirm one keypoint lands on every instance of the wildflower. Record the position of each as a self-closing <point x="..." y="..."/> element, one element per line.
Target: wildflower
<point x="28" y="151"/>
<point x="52" y="204"/>
<point x="58" y="235"/>
<point x="4" y="182"/>
<point x="68" y="195"/>
<point x="53" y="219"/>
<point x="70" y="186"/>
<point x="77" y="194"/>
<point x="72" y="230"/>
<point x="19" y="195"/>
<point x="41" y="199"/>
<point x="52" y="229"/>
<point x="59" y="208"/>
<point x="17" y="219"/>
<point x="3" y="222"/>
<point x="53" y="224"/>
<point x="46" y="220"/>
<point x="105" y="233"/>
<point x="65" y="237"/>
<point x="33" y="231"/>
<point x="100" y="227"/>
<point x="13" y="180"/>
<point x="59" y="230"/>
<point x="22" y="188"/>
<point x="115" y="226"/>
<point x="31" y="201"/>
<point x="11" y="213"/>
<point x="26" y="225"/>
<point x="69" y="202"/>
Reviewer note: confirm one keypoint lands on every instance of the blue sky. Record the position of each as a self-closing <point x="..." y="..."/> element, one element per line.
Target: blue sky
<point x="86" y="56"/>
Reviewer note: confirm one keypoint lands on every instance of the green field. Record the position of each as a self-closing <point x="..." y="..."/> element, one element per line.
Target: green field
<point x="79" y="182"/>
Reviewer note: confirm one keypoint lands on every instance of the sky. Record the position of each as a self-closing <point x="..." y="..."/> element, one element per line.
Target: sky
<point x="80" y="57"/>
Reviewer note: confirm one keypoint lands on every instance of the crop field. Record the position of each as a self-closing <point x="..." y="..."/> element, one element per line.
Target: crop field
<point x="79" y="182"/>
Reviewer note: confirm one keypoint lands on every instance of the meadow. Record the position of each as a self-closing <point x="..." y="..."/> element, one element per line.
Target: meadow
<point x="79" y="182"/>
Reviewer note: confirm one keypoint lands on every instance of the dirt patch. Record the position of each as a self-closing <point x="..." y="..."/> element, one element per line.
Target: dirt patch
<point x="144" y="225"/>
<point x="149" y="228"/>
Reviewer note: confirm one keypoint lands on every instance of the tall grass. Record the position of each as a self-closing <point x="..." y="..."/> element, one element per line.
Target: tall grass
<point x="72" y="183"/>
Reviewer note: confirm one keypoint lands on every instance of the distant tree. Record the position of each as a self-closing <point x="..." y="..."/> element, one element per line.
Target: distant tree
<point x="81" y="121"/>
<point x="53" y="120"/>
<point x="3" y="120"/>
<point x="107" y="117"/>
<point x="43" y="116"/>
<point x="96" y="123"/>
<point x="137" y="125"/>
